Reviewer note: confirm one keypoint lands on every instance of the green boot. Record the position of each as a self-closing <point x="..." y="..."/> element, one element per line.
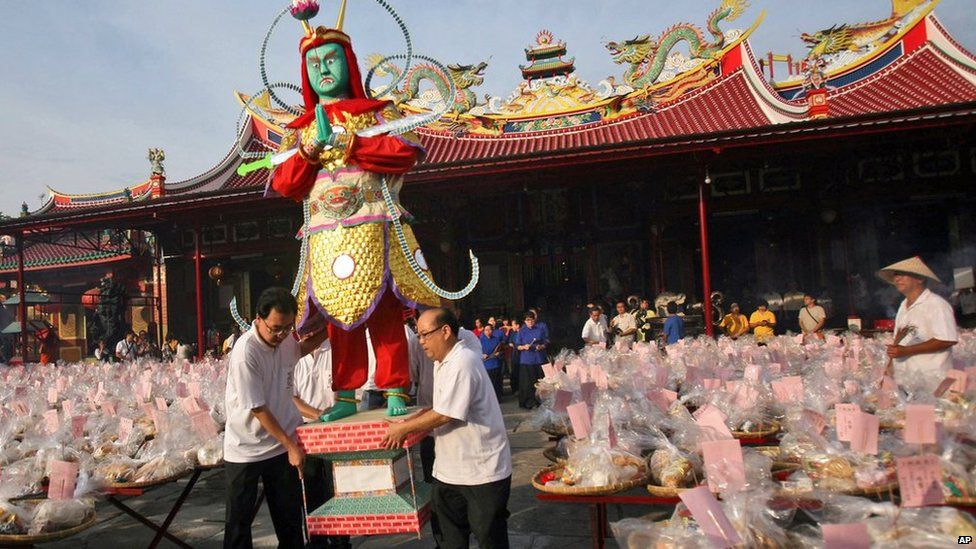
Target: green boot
<point x="345" y="406"/>
<point x="396" y="402"/>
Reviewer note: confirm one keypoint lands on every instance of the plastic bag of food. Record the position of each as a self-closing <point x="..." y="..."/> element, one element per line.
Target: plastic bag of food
<point x="13" y="519"/>
<point x="57" y="515"/>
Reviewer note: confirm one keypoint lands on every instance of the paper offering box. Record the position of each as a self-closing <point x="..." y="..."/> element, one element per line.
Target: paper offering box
<point x="375" y="490"/>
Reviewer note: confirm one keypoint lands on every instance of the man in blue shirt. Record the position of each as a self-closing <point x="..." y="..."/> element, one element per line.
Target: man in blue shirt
<point x="492" y="347"/>
<point x="674" y="326"/>
<point x="531" y="343"/>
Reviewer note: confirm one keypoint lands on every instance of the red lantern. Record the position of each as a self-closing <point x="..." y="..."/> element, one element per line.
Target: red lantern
<point x="216" y="273"/>
<point x="91" y="298"/>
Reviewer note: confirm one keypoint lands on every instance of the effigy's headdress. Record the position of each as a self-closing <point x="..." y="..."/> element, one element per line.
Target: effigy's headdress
<point x="305" y="10"/>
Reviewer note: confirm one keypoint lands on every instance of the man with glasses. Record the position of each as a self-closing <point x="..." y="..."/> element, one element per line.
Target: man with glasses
<point x="263" y="412"/>
<point x="473" y="468"/>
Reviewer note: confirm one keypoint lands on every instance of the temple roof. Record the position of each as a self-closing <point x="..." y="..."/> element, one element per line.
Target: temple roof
<point x="724" y="97"/>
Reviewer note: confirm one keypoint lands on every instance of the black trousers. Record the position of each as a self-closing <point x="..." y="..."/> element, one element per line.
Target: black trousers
<point x="496" y="380"/>
<point x="513" y="371"/>
<point x="481" y="510"/>
<point x="529" y="374"/>
<point x="284" y="494"/>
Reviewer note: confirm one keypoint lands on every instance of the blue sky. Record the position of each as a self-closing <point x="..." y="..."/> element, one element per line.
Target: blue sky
<point x="89" y="86"/>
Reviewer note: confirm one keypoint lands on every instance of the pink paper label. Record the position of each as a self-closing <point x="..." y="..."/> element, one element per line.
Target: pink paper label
<point x="864" y="435"/>
<point x="851" y="387"/>
<point x="562" y="400"/>
<point x="68" y="407"/>
<point x="846" y="415"/>
<point x="919" y="424"/>
<point x="109" y="408"/>
<point x="125" y="428"/>
<point x="710" y="516"/>
<point x="549" y="370"/>
<point x="711" y="383"/>
<point x="579" y="417"/>
<point x="815" y="420"/>
<point x="846" y="536"/>
<point x="920" y="480"/>
<point x="78" y="426"/>
<point x="52" y="396"/>
<point x="190" y="405"/>
<point x="203" y="425"/>
<point x="692" y="375"/>
<point x="181" y="390"/>
<point x="51" y="422"/>
<point x="62" y="479"/>
<point x="20" y="408"/>
<point x="588" y="392"/>
<point x="788" y="390"/>
<point x="661" y="398"/>
<point x="160" y="420"/>
<point x="943" y="387"/>
<point x="61" y="384"/>
<point x="723" y="465"/>
<point x="959" y="383"/>
<point x="600" y="377"/>
<point x="711" y="423"/>
<point x="194" y="388"/>
<point x="752" y="373"/>
<point x="161" y="404"/>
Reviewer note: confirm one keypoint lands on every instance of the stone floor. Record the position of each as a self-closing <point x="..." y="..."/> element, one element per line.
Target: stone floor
<point x="533" y="524"/>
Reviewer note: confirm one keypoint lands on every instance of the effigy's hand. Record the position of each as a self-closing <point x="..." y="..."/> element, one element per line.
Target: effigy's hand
<point x="322" y="125"/>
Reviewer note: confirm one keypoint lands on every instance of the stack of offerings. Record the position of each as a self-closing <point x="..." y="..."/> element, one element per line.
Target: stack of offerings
<point x="375" y="490"/>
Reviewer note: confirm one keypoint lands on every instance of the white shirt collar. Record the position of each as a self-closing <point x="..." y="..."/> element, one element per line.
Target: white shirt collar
<point x="922" y="297"/>
<point x="450" y="354"/>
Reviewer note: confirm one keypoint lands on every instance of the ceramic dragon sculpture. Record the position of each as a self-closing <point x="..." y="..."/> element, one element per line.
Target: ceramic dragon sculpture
<point x="647" y="56"/>
<point x="465" y="77"/>
<point x="839" y="38"/>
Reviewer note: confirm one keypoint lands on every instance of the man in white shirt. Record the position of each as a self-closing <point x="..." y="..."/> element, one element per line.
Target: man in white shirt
<point x="927" y="327"/>
<point x="473" y="469"/>
<point x="812" y="318"/>
<point x="263" y="412"/>
<point x="594" y="333"/>
<point x="624" y="326"/>
<point x="125" y="350"/>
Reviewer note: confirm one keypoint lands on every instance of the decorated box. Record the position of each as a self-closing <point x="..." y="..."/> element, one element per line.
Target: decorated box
<point x="375" y="490"/>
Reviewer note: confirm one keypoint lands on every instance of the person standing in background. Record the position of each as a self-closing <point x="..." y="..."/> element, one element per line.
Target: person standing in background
<point x="530" y="342"/>
<point x="491" y="349"/>
<point x="812" y="318"/>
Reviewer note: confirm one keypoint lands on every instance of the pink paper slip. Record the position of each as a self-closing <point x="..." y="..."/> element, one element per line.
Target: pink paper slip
<point x="711" y="383"/>
<point x="692" y="375"/>
<point x="68" y="407"/>
<point x="919" y="424"/>
<point x="588" y="392"/>
<point x="562" y="400"/>
<point x="161" y="404"/>
<point x="203" y="425"/>
<point x="920" y="480"/>
<point x="852" y="387"/>
<point x="815" y="420"/>
<point x="51" y="423"/>
<point x="191" y="406"/>
<point x="846" y="536"/>
<point x="662" y="398"/>
<point x="52" y="396"/>
<point x="125" y="428"/>
<point x="959" y="383"/>
<point x="752" y="373"/>
<point x="109" y="408"/>
<point x="788" y="390"/>
<point x="864" y="434"/>
<point x="579" y="417"/>
<point x="846" y="414"/>
<point x="63" y="476"/>
<point x="710" y="517"/>
<point x="78" y="426"/>
<point x="611" y="433"/>
<point x="723" y="465"/>
<point x="600" y="377"/>
<point x="549" y="370"/>
<point x="194" y="388"/>
<point x="712" y="424"/>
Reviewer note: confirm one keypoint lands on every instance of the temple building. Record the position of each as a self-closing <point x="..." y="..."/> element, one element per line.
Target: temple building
<point x="863" y="153"/>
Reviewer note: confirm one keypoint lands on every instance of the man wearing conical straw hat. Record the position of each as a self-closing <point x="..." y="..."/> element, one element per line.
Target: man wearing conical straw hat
<point x="925" y="328"/>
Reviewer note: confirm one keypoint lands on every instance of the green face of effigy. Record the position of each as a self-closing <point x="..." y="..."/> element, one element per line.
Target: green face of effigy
<point x="328" y="71"/>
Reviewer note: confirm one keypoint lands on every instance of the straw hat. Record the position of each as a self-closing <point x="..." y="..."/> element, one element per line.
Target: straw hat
<point x="912" y="265"/>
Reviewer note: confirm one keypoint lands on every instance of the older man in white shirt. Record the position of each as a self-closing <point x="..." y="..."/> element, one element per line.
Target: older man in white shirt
<point x="594" y="331"/>
<point x="925" y="325"/>
<point x="473" y="468"/>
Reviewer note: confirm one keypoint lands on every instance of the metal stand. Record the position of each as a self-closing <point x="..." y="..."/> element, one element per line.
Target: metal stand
<point x="599" y="528"/>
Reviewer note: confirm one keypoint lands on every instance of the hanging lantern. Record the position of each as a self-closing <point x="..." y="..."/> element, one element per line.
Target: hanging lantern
<point x="216" y="273"/>
<point x="91" y="298"/>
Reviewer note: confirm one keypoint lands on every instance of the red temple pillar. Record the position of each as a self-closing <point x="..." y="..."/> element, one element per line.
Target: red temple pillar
<point x="706" y="270"/>
<point x="22" y="306"/>
<point x="199" y="292"/>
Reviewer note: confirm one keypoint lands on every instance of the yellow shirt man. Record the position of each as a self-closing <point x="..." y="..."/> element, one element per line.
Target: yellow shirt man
<point x="762" y="322"/>
<point x="734" y="324"/>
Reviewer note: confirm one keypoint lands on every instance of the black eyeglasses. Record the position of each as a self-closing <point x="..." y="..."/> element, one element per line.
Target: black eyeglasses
<point x="425" y="335"/>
